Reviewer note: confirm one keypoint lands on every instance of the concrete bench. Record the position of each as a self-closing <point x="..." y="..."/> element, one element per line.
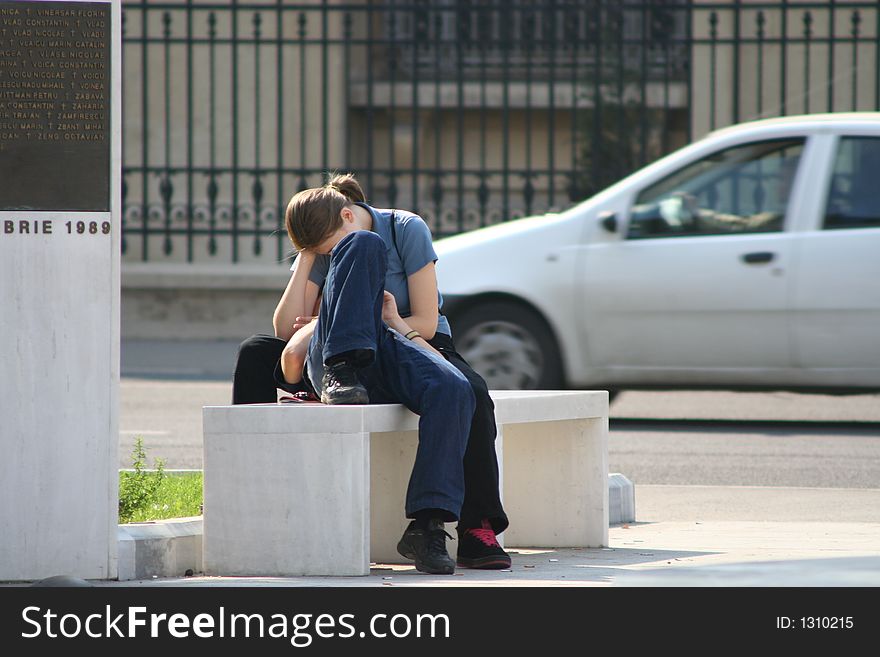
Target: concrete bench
<point x="309" y="489"/>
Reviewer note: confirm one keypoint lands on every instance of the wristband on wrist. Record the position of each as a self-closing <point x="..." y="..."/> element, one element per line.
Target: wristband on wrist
<point x="413" y="334"/>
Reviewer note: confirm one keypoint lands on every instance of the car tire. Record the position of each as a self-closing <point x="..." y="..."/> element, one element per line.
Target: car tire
<point x="509" y="345"/>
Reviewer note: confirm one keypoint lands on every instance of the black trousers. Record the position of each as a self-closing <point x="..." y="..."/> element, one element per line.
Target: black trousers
<point x="254" y="382"/>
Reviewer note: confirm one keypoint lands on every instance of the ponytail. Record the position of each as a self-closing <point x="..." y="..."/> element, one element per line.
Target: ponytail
<point x="347" y="185"/>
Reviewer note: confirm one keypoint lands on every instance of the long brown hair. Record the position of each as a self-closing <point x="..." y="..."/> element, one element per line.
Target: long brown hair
<point x="313" y="214"/>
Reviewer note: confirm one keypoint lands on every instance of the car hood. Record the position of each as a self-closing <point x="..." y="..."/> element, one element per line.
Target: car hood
<point x="513" y="257"/>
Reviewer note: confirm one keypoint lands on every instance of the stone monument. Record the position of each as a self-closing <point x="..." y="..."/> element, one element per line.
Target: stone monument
<point x="60" y="196"/>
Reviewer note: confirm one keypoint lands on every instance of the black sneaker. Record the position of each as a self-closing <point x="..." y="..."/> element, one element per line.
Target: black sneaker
<point x="340" y="385"/>
<point x="427" y="547"/>
<point x="478" y="548"/>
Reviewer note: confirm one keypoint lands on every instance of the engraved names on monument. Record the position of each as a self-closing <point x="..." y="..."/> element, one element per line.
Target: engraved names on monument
<point x="55" y="106"/>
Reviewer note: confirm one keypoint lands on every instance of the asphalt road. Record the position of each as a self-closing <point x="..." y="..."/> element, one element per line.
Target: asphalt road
<point x="167" y="415"/>
<point x="656" y="438"/>
<point x="754" y="453"/>
<point x="692" y="455"/>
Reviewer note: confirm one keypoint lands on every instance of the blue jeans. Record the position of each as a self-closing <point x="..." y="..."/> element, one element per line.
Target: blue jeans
<point x="398" y="372"/>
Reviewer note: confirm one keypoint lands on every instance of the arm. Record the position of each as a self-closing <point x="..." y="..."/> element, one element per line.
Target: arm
<point x="422" y="302"/>
<point x="403" y="326"/>
<point x="293" y="357"/>
<point x="299" y="297"/>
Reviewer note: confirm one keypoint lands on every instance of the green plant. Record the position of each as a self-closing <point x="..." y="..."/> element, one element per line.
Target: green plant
<point x="138" y="489"/>
<point x="179" y="496"/>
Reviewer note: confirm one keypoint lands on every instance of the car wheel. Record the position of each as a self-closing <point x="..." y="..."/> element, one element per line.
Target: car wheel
<point x="510" y="346"/>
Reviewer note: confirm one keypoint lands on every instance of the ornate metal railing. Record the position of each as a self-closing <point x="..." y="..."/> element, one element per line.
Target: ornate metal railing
<point x="467" y="112"/>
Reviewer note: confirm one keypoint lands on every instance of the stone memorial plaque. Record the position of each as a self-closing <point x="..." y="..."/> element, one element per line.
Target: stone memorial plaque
<point x="60" y="219"/>
<point x="55" y="106"/>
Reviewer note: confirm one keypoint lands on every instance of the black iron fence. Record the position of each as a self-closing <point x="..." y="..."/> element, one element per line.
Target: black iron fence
<point x="467" y="112"/>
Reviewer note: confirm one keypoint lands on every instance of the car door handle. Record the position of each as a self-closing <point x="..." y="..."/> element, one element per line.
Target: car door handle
<point x="758" y="257"/>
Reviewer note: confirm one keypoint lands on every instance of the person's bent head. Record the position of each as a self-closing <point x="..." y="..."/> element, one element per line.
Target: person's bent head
<point x="314" y="217"/>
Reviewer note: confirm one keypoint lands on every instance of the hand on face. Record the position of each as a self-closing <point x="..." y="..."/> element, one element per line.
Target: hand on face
<point x="325" y="247"/>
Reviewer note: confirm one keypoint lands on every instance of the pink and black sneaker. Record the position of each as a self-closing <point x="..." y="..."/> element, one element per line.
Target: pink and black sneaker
<point x="478" y="548"/>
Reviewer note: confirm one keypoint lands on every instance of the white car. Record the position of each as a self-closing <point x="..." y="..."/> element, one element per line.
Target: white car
<point x="749" y="259"/>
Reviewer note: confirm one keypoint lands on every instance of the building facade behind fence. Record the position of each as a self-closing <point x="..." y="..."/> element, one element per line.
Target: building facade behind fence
<point x="469" y="113"/>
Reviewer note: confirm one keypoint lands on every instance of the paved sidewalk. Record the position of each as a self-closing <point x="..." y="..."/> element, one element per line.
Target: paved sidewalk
<point x="647" y="554"/>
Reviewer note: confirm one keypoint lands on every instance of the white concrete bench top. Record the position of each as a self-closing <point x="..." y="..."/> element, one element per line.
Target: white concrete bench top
<point x="511" y="407"/>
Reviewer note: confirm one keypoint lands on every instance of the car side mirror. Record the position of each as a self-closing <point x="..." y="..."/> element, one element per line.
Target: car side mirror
<point x="608" y="220"/>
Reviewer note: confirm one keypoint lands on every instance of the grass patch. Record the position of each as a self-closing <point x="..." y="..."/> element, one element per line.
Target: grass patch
<point x="177" y="496"/>
<point x="156" y="495"/>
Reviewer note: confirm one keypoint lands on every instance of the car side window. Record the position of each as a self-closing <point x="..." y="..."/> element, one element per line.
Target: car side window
<point x="739" y="190"/>
<point x="854" y="198"/>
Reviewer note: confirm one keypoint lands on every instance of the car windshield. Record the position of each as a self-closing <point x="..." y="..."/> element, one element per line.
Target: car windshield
<point x="740" y="189"/>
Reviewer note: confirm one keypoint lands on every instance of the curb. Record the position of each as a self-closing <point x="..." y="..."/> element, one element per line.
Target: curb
<point x="621" y="499"/>
<point x="163" y="548"/>
<point x="173" y="548"/>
